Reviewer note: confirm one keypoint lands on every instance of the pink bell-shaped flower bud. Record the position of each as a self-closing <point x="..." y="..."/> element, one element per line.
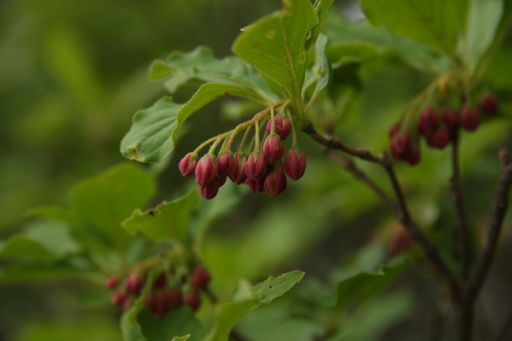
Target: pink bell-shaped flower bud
<point x="257" y="186"/>
<point x="256" y="167"/>
<point x="427" y="121"/>
<point x="210" y="190"/>
<point x="275" y="182"/>
<point x="112" y="282"/>
<point x="282" y="127"/>
<point x="469" y="118"/>
<point x="223" y="164"/>
<point x="118" y="298"/>
<point x="134" y="283"/>
<point x="295" y="164"/>
<point x="440" y="138"/>
<point x="200" y="278"/>
<point x="237" y="169"/>
<point x="399" y="144"/>
<point x="273" y="149"/>
<point x="450" y="118"/>
<point x="488" y="103"/>
<point x="206" y="170"/>
<point x="187" y="165"/>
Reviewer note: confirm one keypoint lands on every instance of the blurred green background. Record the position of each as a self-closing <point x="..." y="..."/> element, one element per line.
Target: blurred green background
<point x="73" y="73"/>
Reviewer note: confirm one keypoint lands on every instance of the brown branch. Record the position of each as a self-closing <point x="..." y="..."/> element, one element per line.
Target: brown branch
<point x="358" y="173"/>
<point x="499" y="211"/>
<point x="403" y="214"/>
<point x="332" y="142"/>
<point x="458" y="199"/>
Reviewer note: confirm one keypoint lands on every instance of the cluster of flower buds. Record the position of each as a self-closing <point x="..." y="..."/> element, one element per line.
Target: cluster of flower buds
<point x="164" y="294"/>
<point x="438" y="127"/>
<point x="264" y="169"/>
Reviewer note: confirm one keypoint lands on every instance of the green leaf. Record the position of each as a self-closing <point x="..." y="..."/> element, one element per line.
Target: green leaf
<point x="54" y="236"/>
<point x="106" y="200"/>
<point x="321" y="71"/>
<point x="359" y="41"/>
<point x="169" y="221"/>
<point x="40" y="242"/>
<point x="200" y="64"/>
<point x="483" y="21"/>
<point x="275" y="44"/>
<point x="181" y="338"/>
<point x="437" y="24"/>
<point x="248" y="298"/>
<point x="153" y="132"/>
<point x="175" y="323"/>
<point x="273" y="287"/>
<point x="359" y="288"/>
<point x="20" y="247"/>
<point x="322" y="9"/>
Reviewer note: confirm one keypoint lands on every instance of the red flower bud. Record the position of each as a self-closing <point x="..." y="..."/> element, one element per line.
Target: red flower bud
<point x="413" y="154"/>
<point x="257" y="186"/>
<point x="275" y="182"/>
<point x="160" y="281"/>
<point x="273" y="149"/>
<point x="223" y="164"/>
<point x="150" y="301"/>
<point x="282" y="128"/>
<point x="427" y="121"/>
<point x="405" y="149"/>
<point x="488" y="103"/>
<point x="469" y="118"/>
<point x="237" y="169"/>
<point x="206" y="170"/>
<point x="172" y="298"/>
<point x="187" y="165"/>
<point x="395" y="129"/>
<point x="192" y="300"/>
<point x="399" y="144"/>
<point x="439" y="138"/>
<point x="112" y="282"/>
<point x="450" y="118"/>
<point x="200" y="278"/>
<point x="134" y="283"/>
<point x="256" y="167"/>
<point x="295" y="164"/>
<point x="210" y="190"/>
<point x="118" y="298"/>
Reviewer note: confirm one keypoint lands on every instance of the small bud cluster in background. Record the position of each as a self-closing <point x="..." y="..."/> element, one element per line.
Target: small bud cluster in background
<point x="438" y="127"/>
<point x="263" y="167"/>
<point x="165" y="293"/>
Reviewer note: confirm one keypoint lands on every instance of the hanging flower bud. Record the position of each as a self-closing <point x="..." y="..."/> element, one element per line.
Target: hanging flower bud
<point x="187" y="165"/>
<point x="118" y="298"/>
<point x="427" y="121"/>
<point x="273" y="149"/>
<point x="172" y="298"/>
<point x="488" y="103"/>
<point x="282" y="127"/>
<point x="256" y="167"/>
<point x="469" y="118"/>
<point x="257" y="186"/>
<point x="440" y="138"/>
<point x="450" y="118"/>
<point x="395" y="129"/>
<point x="404" y="148"/>
<point x="206" y="170"/>
<point x="237" y="169"/>
<point x="134" y="283"/>
<point x="160" y="281"/>
<point x="192" y="300"/>
<point x="223" y="164"/>
<point x="112" y="282"/>
<point x="200" y="278"/>
<point x="412" y="154"/>
<point x="210" y="190"/>
<point x="275" y="182"/>
<point x="295" y="164"/>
